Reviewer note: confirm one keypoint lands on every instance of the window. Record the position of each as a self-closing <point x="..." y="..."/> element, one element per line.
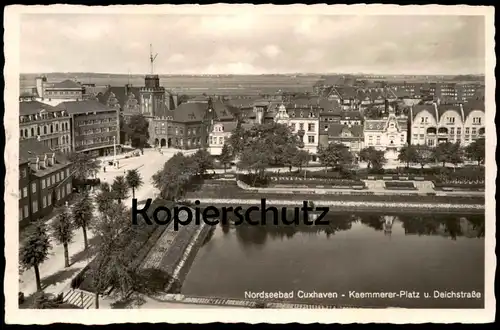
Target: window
<point x="49" y="200"/>
<point x="58" y="178"/>
<point x="52" y="179"/>
<point x="63" y="192"/>
<point x="452" y="131"/>
<point x="415" y="136"/>
<point x="58" y="195"/>
<point x="467" y="130"/>
<point x="474" y="131"/>
<point x="21" y="214"/>
<point x="35" y="206"/>
<point x="310" y="139"/>
<point x="459" y="131"/>
<point x="476" y="120"/>
<point x="311" y="127"/>
<point x="44" y="202"/>
<point x="293" y="126"/>
<point x="402" y="138"/>
<point x="26" y="211"/>
<point x="25" y="192"/>
<point x="301" y="126"/>
<point x="23" y="173"/>
<point x="378" y="140"/>
<point x="326" y="127"/>
<point x="430" y="143"/>
<point x="68" y="188"/>
<point x="33" y="187"/>
<point x="450" y="120"/>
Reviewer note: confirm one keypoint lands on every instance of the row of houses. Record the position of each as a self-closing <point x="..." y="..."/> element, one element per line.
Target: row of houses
<point x="320" y="124"/>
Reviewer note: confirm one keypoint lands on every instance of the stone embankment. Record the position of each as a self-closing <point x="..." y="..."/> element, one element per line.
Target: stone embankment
<point x="346" y="205"/>
<point x="242" y="303"/>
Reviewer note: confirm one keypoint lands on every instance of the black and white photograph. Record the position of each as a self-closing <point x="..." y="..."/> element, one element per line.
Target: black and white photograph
<point x="251" y="158"/>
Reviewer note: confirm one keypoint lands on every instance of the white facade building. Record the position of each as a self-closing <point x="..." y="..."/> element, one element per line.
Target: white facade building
<point x="305" y="120"/>
<point x="432" y="124"/>
<point x="388" y="134"/>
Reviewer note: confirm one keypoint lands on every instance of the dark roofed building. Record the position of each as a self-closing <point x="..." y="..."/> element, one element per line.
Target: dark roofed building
<point x="350" y="136"/>
<point x="45" y="179"/>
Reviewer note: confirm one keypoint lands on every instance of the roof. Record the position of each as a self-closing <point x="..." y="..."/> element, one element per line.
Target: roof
<point x="416" y="109"/>
<point x="27" y="108"/>
<point x="335" y="130"/>
<point x="229" y="126"/>
<point x="350" y="115"/>
<point x="66" y="84"/>
<point x="441" y="109"/>
<point x="120" y="94"/>
<point x="473" y="105"/>
<point x="78" y="107"/>
<point x="29" y="149"/>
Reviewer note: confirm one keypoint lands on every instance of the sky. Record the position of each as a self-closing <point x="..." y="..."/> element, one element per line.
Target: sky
<point x="251" y="43"/>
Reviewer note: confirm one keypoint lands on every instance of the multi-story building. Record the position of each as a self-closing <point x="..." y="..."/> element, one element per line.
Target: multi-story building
<point x="45" y="179"/>
<point x="188" y="126"/>
<point x="220" y="134"/>
<point x="45" y="123"/>
<point x="95" y="127"/>
<point x="304" y="122"/>
<point x="354" y="98"/>
<point x="348" y="135"/>
<point x="55" y="93"/>
<point x="432" y="124"/>
<point x="388" y="134"/>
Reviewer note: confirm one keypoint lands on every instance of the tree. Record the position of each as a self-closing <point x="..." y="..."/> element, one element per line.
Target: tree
<point x="447" y="152"/>
<point x="120" y="188"/>
<point x="134" y="180"/>
<point x="62" y="231"/>
<point x="476" y="150"/>
<point x="408" y="154"/>
<point x="237" y="140"/>
<point x="174" y="179"/>
<point x="424" y="155"/>
<point x="111" y="265"/>
<point x="202" y="161"/>
<point x="138" y="131"/>
<point x="290" y="154"/>
<point x="373" y="157"/>
<point x="226" y="156"/>
<point x="83" y="165"/>
<point x="255" y="158"/>
<point x="301" y="158"/>
<point x="35" y="251"/>
<point x="83" y="211"/>
<point x="335" y="155"/>
<point x="104" y="198"/>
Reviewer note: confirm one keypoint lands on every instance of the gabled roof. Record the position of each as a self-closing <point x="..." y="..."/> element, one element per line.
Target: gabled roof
<point x="473" y="105"/>
<point x="120" y="93"/>
<point x="29" y="149"/>
<point x="66" y="84"/>
<point x="189" y="112"/>
<point x="27" y="108"/>
<point x="416" y="109"/>
<point x="228" y="126"/>
<point x="336" y="129"/>
<point x="78" y="107"/>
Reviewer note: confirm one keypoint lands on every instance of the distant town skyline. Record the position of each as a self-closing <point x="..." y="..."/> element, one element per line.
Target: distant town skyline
<point x="253" y="44"/>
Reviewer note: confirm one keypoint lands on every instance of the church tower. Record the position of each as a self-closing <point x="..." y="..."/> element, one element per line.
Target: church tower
<point x="209" y="119"/>
<point x="152" y="94"/>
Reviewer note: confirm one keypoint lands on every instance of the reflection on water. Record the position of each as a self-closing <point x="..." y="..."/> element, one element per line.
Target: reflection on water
<point x="362" y="252"/>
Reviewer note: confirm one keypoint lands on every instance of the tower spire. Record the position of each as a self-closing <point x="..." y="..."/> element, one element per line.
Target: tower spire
<point x="151" y="57"/>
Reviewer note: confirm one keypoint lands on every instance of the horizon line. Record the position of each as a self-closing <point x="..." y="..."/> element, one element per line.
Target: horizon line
<point x="259" y="74"/>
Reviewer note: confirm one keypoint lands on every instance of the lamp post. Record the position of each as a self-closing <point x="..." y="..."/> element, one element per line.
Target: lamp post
<point x="301" y="134"/>
<point x="114" y="150"/>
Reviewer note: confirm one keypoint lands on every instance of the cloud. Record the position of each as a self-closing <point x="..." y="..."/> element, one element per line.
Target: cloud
<point x="252" y="43"/>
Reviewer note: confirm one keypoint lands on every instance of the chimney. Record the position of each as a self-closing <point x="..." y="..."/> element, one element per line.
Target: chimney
<point x="37" y="164"/>
<point x="45" y="161"/>
<point x="127" y="87"/>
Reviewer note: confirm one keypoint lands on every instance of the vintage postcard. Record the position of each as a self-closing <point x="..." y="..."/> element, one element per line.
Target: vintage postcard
<point x="330" y="164"/>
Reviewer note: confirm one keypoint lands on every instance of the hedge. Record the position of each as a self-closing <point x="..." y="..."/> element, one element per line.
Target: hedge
<point x="398" y="185"/>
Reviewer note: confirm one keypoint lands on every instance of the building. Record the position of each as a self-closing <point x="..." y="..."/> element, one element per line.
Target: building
<point x="55" y="93"/>
<point x="349" y="135"/>
<point x="95" y="127"/>
<point x="190" y="124"/>
<point x="220" y="134"/>
<point x="44" y="180"/>
<point x="432" y="124"/>
<point x="356" y="98"/>
<point x="45" y="123"/>
<point x="304" y="122"/>
<point x="388" y="134"/>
